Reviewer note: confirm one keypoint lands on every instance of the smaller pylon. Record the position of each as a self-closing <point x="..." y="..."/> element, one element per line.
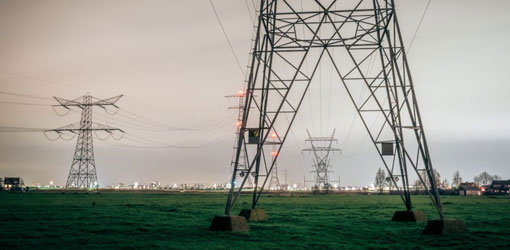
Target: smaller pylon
<point x="242" y="169"/>
<point x="274" y="182"/>
<point x="321" y="148"/>
<point x="83" y="168"/>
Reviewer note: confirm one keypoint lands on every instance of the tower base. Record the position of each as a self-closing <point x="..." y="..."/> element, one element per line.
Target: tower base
<point x="442" y="227"/>
<point x="229" y="223"/>
<point x="409" y="216"/>
<point x="255" y="214"/>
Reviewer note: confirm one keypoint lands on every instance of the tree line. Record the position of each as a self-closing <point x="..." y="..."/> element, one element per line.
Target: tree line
<point x="484" y="178"/>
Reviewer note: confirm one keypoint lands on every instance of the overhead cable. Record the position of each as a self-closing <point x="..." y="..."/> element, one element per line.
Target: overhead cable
<point x="228" y="39"/>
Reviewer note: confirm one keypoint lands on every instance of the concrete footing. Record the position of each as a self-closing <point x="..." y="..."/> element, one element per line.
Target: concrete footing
<point x="442" y="227"/>
<point x="409" y="216"/>
<point x="255" y="214"/>
<point x="229" y="223"/>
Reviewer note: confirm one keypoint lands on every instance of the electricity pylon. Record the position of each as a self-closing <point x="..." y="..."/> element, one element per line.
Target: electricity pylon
<point x="83" y="168"/>
<point x="242" y="170"/>
<point x="274" y="182"/>
<point x="322" y="149"/>
<point x="362" y="42"/>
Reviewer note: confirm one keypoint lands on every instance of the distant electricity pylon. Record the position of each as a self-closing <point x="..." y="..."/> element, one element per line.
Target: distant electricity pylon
<point x="274" y="182"/>
<point x="83" y="168"/>
<point x="362" y="42"/>
<point x="322" y="149"/>
<point x="242" y="169"/>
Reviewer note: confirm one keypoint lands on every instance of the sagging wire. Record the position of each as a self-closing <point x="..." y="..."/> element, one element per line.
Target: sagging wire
<point x="213" y="123"/>
<point x="118" y="138"/>
<point x="19" y="129"/>
<point x="418" y="27"/>
<point x="156" y="146"/>
<point x="59" y="136"/>
<point x="228" y="39"/>
<point x="112" y="113"/>
<point x="68" y="139"/>
<point x="50" y="139"/>
<point x="103" y="138"/>
<point x="24" y="95"/>
<point x="54" y="107"/>
<point x="25" y="103"/>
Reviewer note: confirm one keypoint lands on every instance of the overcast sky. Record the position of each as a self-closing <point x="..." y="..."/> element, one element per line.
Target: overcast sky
<point x="171" y="61"/>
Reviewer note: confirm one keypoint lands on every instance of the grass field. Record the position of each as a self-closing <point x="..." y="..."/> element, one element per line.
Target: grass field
<point x="181" y="220"/>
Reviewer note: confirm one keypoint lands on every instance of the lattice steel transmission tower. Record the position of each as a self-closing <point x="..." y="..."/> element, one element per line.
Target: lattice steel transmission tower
<point x="83" y="168"/>
<point x="274" y="182"/>
<point x="361" y="40"/>
<point x="321" y="147"/>
<point x="242" y="169"/>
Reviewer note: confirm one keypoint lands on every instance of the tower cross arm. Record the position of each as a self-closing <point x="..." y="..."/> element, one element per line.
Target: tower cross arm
<point x="321" y="139"/>
<point x="81" y="101"/>
<point x="321" y="149"/>
<point x="66" y="103"/>
<point x="75" y="128"/>
<point x="109" y="101"/>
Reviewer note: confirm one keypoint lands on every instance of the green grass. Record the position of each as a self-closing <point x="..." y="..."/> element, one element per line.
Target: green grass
<point x="181" y="220"/>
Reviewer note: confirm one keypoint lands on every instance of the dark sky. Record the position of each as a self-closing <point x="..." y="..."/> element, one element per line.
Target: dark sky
<point x="173" y="65"/>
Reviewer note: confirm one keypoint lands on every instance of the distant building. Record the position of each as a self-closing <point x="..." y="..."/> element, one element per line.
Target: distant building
<point x="155" y="185"/>
<point x="469" y="188"/>
<point x="13" y="183"/>
<point x="499" y="187"/>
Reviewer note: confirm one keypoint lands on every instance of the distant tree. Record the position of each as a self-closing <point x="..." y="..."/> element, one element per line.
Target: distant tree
<point x="380" y="179"/>
<point x="457" y="180"/>
<point x="390" y="183"/>
<point x="476" y="180"/>
<point x="496" y="177"/>
<point x="445" y="184"/>
<point x="437" y="179"/>
<point x="417" y="184"/>
<point x="483" y="179"/>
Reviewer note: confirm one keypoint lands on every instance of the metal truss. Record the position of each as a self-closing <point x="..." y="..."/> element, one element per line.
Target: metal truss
<point x="274" y="181"/>
<point x="362" y="41"/>
<point x="83" y="168"/>
<point x="242" y="169"/>
<point x="321" y="148"/>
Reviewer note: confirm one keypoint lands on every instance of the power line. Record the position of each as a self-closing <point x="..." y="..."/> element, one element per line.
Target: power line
<point x="208" y="124"/>
<point x="151" y="144"/>
<point x="228" y="40"/>
<point x="20" y="129"/>
<point x="24" y="103"/>
<point x="25" y="95"/>
<point x="419" y="25"/>
<point x="36" y="79"/>
<point x="214" y="117"/>
<point x="249" y="12"/>
<point x="205" y="138"/>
